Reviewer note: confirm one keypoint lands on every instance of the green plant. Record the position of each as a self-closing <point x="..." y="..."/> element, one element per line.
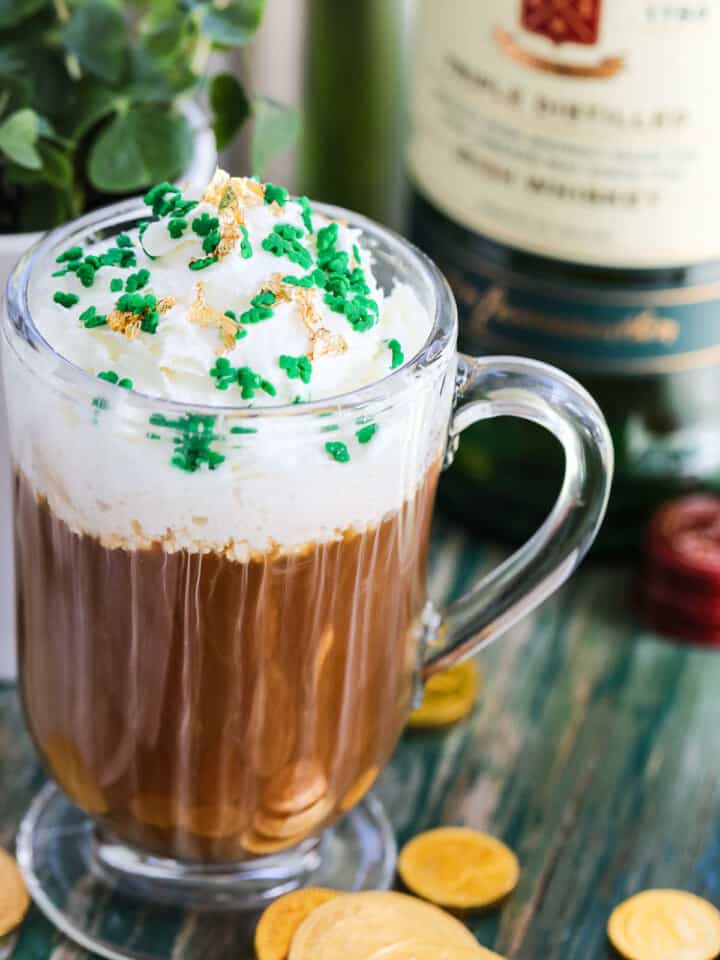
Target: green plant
<point x="88" y="99"/>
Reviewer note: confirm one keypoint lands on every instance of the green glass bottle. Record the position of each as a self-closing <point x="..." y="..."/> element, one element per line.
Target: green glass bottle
<point x="564" y="159"/>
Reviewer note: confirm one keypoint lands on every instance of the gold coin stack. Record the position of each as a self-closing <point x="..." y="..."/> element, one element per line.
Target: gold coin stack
<point x="451" y="867"/>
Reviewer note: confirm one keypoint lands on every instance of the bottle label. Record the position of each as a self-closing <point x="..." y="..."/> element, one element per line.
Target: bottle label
<point x="585" y="130"/>
<point x="632" y="332"/>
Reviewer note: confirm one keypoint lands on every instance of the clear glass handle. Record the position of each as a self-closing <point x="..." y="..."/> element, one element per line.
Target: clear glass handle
<point x="515" y="387"/>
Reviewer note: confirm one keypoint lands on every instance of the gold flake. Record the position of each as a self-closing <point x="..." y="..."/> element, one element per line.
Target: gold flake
<point x="324" y="343"/>
<point x="204" y="315"/>
<point x="165" y="304"/>
<point x="123" y="321"/>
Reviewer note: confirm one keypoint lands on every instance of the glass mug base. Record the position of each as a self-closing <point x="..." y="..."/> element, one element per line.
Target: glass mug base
<point x="122" y="904"/>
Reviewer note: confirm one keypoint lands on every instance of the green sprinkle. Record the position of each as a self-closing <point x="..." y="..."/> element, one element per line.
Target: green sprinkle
<point x="116" y="284"/>
<point x="327" y="237"/>
<point x="264" y="299"/>
<point x="66" y="300"/>
<point x="361" y="313"/>
<point x="109" y="375"/>
<point x="297" y="399"/>
<point x="100" y="403"/>
<point x="86" y="274"/>
<point x="91" y="318"/>
<point x="243" y="430"/>
<point x="176" y="226"/>
<point x="356" y="253"/>
<point x="72" y="253"/>
<point x="365" y="434"/>
<point x="306" y="214"/>
<point x="156" y="198"/>
<point x="137" y="280"/>
<point x="284" y="241"/>
<point x="126" y="383"/>
<point x="224" y="372"/>
<point x="246" y="250"/>
<point x="307" y="281"/>
<point x="398" y="357"/>
<point x="202" y="263"/>
<point x="205" y="224"/>
<point x="331" y="428"/>
<point x="275" y="194"/>
<point x="153" y="436"/>
<point x="296" y="367"/>
<point x="194" y="436"/>
<point x="123" y="240"/>
<point x="338" y="451"/>
<point x="231" y="314"/>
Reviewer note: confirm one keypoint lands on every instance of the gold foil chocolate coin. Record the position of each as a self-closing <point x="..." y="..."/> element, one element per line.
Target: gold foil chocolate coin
<point x="415" y="949"/>
<point x="279" y="922"/>
<point x="665" y="925"/>
<point x="458" y="868"/>
<point x="449" y="696"/>
<point x="14" y="899"/>
<point x="357" y="926"/>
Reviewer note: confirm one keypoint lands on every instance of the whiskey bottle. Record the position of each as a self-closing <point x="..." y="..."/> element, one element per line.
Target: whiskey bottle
<point x="564" y="159"/>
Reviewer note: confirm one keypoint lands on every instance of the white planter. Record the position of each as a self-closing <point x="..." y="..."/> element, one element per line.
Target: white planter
<point x="12" y="246"/>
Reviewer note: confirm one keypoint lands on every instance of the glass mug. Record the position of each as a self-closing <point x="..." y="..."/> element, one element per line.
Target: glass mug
<point x="212" y="706"/>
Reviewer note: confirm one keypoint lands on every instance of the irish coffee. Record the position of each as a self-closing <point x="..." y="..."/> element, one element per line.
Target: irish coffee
<point x="222" y="569"/>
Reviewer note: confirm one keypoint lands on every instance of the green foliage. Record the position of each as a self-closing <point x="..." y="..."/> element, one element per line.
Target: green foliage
<point x="88" y="98"/>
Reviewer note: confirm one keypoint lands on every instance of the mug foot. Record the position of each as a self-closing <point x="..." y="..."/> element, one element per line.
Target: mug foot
<point x="128" y="906"/>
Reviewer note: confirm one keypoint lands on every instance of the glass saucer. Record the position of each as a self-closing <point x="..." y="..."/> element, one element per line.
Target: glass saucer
<point x="125" y="906"/>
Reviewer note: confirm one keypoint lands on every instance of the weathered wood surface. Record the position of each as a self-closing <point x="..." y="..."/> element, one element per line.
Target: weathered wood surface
<point x="593" y="751"/>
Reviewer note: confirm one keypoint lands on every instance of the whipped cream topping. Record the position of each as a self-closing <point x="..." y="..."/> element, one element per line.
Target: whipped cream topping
<point x="239" y="271"/>
<point x="210" y="303"/>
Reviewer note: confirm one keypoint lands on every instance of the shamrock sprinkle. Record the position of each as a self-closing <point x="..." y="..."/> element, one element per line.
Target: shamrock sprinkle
<point x="202" y="263"/>
<point x="137" y="280"/>
<point x="91" y="318"/>
<point x="86" y="273"/>
<point x="116" y="284"/>
<point x="123" y="240"/>
<point x="176" y="226"/>
<point x="157" y="196"/>
<point x="72" y="253"/>
<point x="245" y="246"/>
<point x="306" y="214"/>
<point x="111" y="377"/>
<point x="260" y="308"/>
<point x="249" y="381"/>
<point x="284" y="241"/>
<point x="338" y="451"/>
<point x="205" y="224"/>
<point x="365" y="434"/>
<point x="194" y="437"/>
<point x="296" y="367"/>
<point x="398" y="357"/>
<point x="66" y="300"/>
<point x="275" y="194"/>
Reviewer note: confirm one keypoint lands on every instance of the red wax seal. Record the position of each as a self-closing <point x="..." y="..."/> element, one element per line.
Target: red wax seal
<point x="563" y="21"/>
<point x="679" y="589"/>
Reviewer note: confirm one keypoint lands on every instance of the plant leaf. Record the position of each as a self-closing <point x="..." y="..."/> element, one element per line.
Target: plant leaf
<point x="97" y="35"/>
<point x="275" y="130"/>
<point x="230" y="107"/>
<point x="18" y="136"/>
<point x="15" y="11"/>
<point x="55" y="169"/>
<point x="139" y="147"/>
<point x="232" y="24"/>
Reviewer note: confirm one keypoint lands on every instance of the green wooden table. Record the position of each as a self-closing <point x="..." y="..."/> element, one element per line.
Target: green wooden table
<point x="593" y="752"/>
